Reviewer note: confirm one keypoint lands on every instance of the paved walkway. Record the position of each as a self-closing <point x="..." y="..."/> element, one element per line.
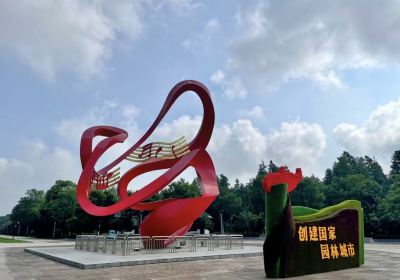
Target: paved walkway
<point x="35" y="242"/>
<point x="4" y="272"/>
<point x="382" y="262"/>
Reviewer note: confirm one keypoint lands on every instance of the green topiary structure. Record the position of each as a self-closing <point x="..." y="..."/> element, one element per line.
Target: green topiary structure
<point x="302" y="240"/>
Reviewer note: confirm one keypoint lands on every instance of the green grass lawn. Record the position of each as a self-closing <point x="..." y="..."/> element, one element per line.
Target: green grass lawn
<point x="9" y="240"/>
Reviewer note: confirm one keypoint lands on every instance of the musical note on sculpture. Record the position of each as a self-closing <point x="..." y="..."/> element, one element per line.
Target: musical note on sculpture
<point x="158" y="151"/>
<point x="161" y="150"/>
<point x="173" y="150"/>
<point x="146" y="149"/>
<point x="99" y="182"/>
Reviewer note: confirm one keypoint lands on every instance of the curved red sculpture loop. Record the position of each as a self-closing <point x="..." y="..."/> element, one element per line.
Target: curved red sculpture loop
<point x="170" y="217"/>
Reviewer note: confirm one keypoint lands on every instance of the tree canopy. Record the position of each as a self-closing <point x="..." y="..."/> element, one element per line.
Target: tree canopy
<point x="241" y="205"/>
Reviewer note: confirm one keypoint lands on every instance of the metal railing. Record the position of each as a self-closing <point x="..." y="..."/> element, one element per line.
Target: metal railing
<point x="137" y="245"/>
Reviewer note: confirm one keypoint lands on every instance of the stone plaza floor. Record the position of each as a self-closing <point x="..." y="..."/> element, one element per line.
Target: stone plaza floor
<point x="382" y="262"/>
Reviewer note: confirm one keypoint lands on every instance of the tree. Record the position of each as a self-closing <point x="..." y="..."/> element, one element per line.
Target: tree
<point x="358" y="187"/>
<point x="242" y="205"/>
<point x="241" y="191"/>
<point x="309" y="193"/>
<point x="59" y="206"/>
<point x="238" y="184"/>
<point x="181" y="189"/>
<point x="248" y="223"/>
<point x="5" y="223"/>
<point x="27" y="210"/>
<point x="272" y="167"/>
<point x="395" y="166"/>
<point x="389" y="209"/>
<point x="80" y="222"/>
<point x="228" y="203"/>
<point x="370" y="167"/>
<point x="256" y="194"/>
<point x="345" y="165"/>
<point x="328" y="177"/>
<point x="262" y="169"/>
<point x="203" y="222"/>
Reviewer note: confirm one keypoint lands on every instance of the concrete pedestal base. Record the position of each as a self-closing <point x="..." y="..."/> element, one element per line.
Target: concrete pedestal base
<point x="87" y="259"/>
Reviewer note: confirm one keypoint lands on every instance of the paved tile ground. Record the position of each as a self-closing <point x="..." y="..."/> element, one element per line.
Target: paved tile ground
<point x="382" y="262"/>
<point x="22" y="265"/>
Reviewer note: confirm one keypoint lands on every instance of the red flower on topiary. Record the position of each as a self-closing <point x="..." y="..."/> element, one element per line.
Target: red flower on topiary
<point x="282" y="176"/>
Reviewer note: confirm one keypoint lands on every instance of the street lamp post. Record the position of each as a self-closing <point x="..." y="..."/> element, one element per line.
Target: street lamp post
<point x="19" y="225"/>
<point x="14" y="230"/>
<point x="99" y="226"/>
<point x="54" y="230"/>
<point x="221" y="222"/>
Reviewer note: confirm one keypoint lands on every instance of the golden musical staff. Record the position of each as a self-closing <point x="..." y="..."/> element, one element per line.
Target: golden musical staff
<point x="162" y="150"/>
<point x="100" y="182"/>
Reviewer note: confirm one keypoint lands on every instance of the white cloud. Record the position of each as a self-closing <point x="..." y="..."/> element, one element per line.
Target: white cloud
<point x="72" y="129"/>
<point x="203" y="39"/>
<point x="233" y="88"/>
<point x="218" y="77"/>
<point x="328" y="79"/>
<point x="254" y="113"/>
<point x="314" y="40"/>
<point x="109" y="113"/>
<point x="130" y="113"/>
<point x="298" y="144"/>
<point x="180" y="7"/>
<point x="212" y="24"/>
<point x="39" y="167"/>
<point x="378" y="136"/>
<point x="238" y="148"/>
<point x="182" y="126"/>
<point x="66" y="36"/>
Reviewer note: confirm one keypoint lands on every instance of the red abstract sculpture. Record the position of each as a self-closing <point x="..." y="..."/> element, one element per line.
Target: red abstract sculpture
<point x="170" y="217"/>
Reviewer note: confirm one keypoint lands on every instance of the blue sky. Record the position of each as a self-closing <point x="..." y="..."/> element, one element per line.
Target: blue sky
<point x="297" y="82"/>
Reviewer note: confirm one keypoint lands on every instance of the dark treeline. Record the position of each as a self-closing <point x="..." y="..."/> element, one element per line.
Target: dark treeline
<point x="56" y="212"/>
